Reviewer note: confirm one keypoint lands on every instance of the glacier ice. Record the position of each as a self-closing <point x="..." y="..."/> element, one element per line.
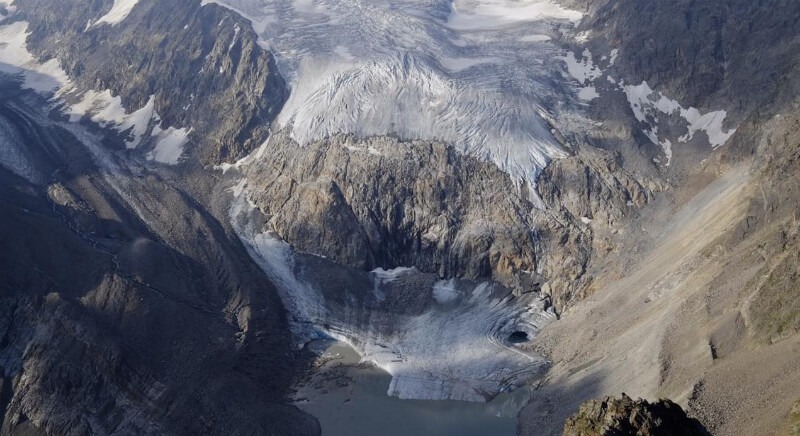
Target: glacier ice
<point x="437" y="339"/>
<point x="476" y="74"/>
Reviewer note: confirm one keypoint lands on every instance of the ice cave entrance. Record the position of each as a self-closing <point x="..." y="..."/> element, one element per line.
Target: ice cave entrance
<point x="518" y="337"/>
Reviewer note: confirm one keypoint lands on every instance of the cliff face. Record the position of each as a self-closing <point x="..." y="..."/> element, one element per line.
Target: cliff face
<point x="203" y="66"/>
<point x="386" y="203"/>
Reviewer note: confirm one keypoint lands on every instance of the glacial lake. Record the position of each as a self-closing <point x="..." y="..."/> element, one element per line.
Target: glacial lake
<point x="349" y="399"/>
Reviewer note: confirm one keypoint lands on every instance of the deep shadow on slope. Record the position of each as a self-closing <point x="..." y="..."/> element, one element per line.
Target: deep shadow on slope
<point x="125" y="307"/>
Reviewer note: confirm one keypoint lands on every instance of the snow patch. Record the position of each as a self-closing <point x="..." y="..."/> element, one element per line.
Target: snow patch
<point x="15" y="59"/>
<point x="614" y="55"/>
<point x="169" y="145"/>
<point x="107" y="111"/>
<point x="119" y="11"/>
<point x="588" y="93"/>
<point x="711" y="123"/>
<point x="583" y="70"/>
<point x="648" y="104"/>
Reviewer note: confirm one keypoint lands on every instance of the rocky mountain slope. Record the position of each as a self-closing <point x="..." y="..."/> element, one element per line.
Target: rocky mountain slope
<point x="199" y="187"/>
<point x="128" y="309"/>
<point x="690" y="301"/>
<point x="624" y="416"/>
<point x="205" y="63"/>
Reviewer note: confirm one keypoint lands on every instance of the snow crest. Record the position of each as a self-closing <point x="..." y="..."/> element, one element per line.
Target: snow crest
<point x="119" y="11"/>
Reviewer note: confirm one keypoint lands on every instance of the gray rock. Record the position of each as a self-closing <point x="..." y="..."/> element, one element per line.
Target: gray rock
<point x="202" y="64"/>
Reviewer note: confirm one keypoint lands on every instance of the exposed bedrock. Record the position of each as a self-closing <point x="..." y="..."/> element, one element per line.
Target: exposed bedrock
<point x="625" y="416"/>
<point x="196" y="61"/>
<point x="385" y="203"/>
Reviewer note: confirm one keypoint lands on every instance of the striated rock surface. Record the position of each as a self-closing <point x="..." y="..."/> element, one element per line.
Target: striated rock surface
<point x="593" y="190"/>
<point x="624" y="416"/>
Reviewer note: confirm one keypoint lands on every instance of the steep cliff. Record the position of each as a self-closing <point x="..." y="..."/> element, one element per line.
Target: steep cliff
<point x="202" y="65"/>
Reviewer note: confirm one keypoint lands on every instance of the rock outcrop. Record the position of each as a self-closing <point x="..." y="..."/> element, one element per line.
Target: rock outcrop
<point x="386" y="203"/>
<point x="202" y="64"/>
<point x="624" y="416"/>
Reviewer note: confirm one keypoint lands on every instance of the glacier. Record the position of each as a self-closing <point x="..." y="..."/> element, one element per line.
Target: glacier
<point x="478" y="75"/>
<point x="438" y="339"/>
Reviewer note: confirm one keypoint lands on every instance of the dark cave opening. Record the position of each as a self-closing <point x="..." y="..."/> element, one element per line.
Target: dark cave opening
<point x="518" y="337"/>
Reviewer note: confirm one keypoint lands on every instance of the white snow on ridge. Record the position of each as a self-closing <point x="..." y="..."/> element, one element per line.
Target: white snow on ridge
<point x="647" y="105"/>
<point x="169" y="145"/>
<point x="471" y="73"/>
<point x="16" y="60"/>
<point x="101" y="107"/>
<point x="119" y="11"/>
<point x="107" y="111"/>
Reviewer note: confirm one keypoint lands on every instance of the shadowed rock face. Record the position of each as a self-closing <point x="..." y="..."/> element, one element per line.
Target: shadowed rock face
<point x="623" y="416"/>
<point x="202" y="64"/>
<point x="126" y="309"/>
<point x="386" y="203"/>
